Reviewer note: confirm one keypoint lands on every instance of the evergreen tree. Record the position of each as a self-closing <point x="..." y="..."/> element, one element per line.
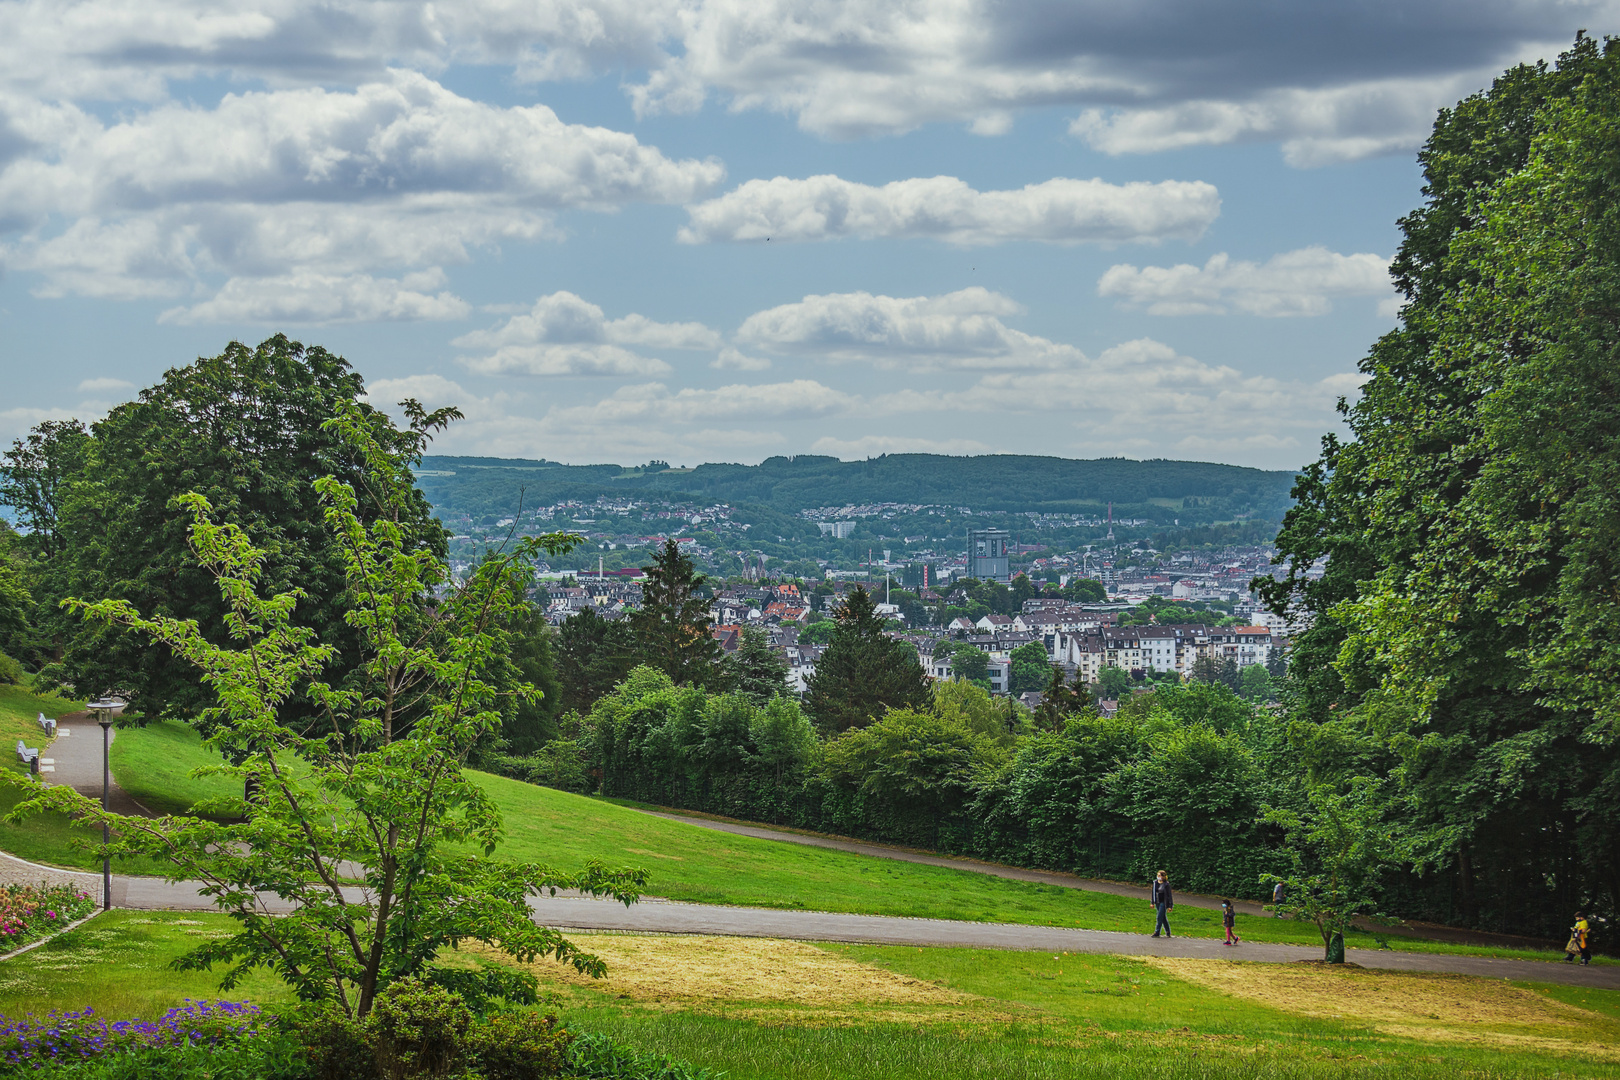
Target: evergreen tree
<point x="863" y="671"/>
<point x="756" y="671"/>
<point x="1059" y="701"/>
<point x="593" y="655"/>
<point x="672" y="627"/>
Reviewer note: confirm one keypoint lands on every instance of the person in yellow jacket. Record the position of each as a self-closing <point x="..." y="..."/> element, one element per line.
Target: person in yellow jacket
<point x="1580" y="941"/>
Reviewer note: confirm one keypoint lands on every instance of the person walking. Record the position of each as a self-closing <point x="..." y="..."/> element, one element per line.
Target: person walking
<point x="1580" y="941"/>
<point x="1229" y="920"/>
<point x="1276" y="901"/>
<point x="1163" y="901"/>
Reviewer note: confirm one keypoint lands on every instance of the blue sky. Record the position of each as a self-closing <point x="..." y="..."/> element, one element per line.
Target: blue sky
<point x="705" y="230"/>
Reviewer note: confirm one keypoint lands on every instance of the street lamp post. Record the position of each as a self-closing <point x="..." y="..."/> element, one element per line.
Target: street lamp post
<point x="105" y="720"/>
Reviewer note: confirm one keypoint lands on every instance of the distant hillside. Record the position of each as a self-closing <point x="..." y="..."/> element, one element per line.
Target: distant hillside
<point x="1194" y="491"/>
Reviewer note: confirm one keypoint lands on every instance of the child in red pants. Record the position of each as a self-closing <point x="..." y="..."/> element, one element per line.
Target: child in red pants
<point x="1229" y="917"/>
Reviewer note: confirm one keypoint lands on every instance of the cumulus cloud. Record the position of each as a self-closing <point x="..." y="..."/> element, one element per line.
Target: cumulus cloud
<point x="320" y="299"/>
<point x="399" y="174"/>
<point x="1059" y="211"/>
<point x="104" y="385"/>
<point x="845" y="68"/>
<point x="1143" y="397"/>
<point x="959" y="330"/>
<point x="563" y="334"/>
<point x="1294" y="283"/>
<point x="732" y="360"/>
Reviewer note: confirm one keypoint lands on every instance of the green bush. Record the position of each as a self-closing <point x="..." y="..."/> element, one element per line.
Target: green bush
<point x="419" y="1031"/>
<point x="520" y="1046"/>
<point x="11" y="671"/>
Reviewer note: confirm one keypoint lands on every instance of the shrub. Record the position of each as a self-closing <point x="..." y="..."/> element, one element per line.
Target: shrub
<point x="419" y="1031"/>
<point x="11" y="671"/>
<point x="28" y="912"/>
<point x="520" y="1046"/>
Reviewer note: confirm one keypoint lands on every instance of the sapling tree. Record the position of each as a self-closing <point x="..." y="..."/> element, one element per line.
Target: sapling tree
<point x="357" y="813"/>
<point x="1341" y="849"/>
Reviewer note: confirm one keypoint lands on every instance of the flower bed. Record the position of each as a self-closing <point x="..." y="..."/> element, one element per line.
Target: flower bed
<point x="75" y="1036"/>
<point x="30" y="912"/>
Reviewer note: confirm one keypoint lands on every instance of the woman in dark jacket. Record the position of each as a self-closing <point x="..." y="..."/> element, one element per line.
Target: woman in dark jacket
<point x="1163" y="901"/>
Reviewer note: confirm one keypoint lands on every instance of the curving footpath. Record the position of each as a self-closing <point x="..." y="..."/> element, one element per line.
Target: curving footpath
<point x="654" y="915"/>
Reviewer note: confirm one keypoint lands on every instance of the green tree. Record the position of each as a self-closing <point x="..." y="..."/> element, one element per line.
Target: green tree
<point x="1466" y="622"/>
<point x="756" y="671"/>
<point x="36" y="477"/>
<point x="1031" y="668"/>
<point x="971" y="664"/>
<point x="378" y="782"/>
<point x="818" y="631"/>
<point x="782" y="738"/>
<point x="862" y="672"/>
<point x="1081" y="590"/>
<point x="532" y="721"/>
<point x="1256" y="684"/>
<point x="672" y="626"/>
<point x="1113" y="683"/>
<point x="1059" y="701"/>
<point x="911" y="760"/>
<point x="1023" y="589"/>
<point x="593" y="655"/>
<point x="245" y="430"/>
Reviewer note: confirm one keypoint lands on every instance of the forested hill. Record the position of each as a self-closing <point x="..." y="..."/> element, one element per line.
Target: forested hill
<point x="1001" y="482"/>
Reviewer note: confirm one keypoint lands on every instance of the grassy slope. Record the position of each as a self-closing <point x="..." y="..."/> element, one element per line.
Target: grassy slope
<point x="18" y="711"/>
<point x="154" y="764"/>
<point x="688" y="863"/>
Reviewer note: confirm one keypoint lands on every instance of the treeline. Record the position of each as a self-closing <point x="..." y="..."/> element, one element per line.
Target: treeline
<point x="1177" y="779"/>
<point x="1193" y="490"/>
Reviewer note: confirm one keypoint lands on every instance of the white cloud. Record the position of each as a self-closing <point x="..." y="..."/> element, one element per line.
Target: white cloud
<point x="867" y="445"/>
<point x="732" y="360"/>
<point x="1058" y="211"/>
<point x="1144" y="398"/>
<point x="959" y="330"/>
<point x="1316" y="126"/>
<point x="1294" y="283"/>
<point x="96" y="386"/>
<point x="310" y="298"/>
<point x="397" y="175"/>
<point x="563" y="334"/>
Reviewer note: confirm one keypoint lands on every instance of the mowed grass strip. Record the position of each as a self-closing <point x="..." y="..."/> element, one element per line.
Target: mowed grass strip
<point x="895" y="1012"/>
<point x="154" y="764"/>
<point x="118" y="963"/>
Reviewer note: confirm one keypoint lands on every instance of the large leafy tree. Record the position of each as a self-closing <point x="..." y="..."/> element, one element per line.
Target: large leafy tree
<point x="1465" y="639"/>
<point x="863" y="671"/>
<point x="365" y="777"/>
<point x="36" y="476"/>
<point x="247" y="430"/>
<point x="672" y="626"/>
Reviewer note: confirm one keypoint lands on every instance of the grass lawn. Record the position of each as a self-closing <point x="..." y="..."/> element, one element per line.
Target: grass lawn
<point x="796" y="1011"/>
<point x="118" y="963"/>
<point x="19" y="711"/>
<point x="786" y="1010"/>
<point x="154" y="764"/>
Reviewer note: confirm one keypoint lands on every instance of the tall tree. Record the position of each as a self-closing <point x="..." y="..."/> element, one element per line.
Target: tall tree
<point x="756" y="671"/>
<point x="36" y="476"/>
<point x="532" y="719"/>
<point x="863" y="671"/>
<point x="245" y="430"/>
<point x="1031" y="668"/>
<point x="1466" y="633"/>
<point x="672" y="626"/>
<point x="593" y="655"/>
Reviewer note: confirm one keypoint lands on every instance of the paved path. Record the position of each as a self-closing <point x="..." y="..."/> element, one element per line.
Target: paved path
<point x="76" y="754"/>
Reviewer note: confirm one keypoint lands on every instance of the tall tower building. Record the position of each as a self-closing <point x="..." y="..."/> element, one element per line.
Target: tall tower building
<point x="987" y="554"/>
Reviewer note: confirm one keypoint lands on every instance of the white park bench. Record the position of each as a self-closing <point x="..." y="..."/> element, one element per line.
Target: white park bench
<point x="47" y="725"/>
<point x="28" y="755"/>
